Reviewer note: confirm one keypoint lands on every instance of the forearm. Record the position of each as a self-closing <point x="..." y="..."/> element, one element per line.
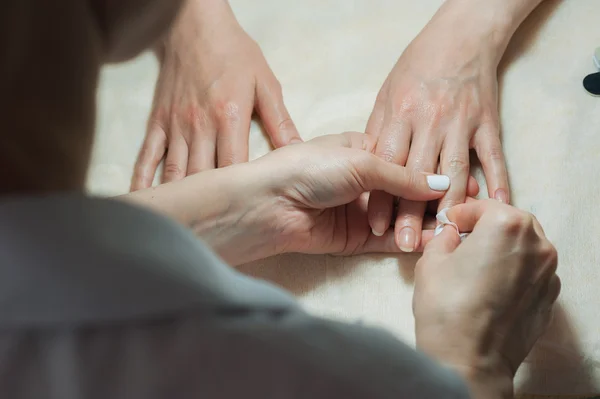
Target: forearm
<point x="489" y="24"/>
<point x="224" y="207"/>
<point x="201" y="198"/>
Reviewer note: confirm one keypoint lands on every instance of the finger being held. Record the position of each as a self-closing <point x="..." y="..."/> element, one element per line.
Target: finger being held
<point x="399" y="181"/>
<point x="274" y="114"/>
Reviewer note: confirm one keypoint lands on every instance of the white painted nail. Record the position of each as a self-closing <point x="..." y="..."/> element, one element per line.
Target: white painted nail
<point x="438" y="182"/>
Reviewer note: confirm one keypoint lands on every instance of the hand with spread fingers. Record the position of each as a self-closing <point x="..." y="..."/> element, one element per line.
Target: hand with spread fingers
<point x="212" y="78"/>
<point x="441" y="100"/>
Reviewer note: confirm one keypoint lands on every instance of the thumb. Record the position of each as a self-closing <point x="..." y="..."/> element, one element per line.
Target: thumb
<point x="444" y="243"/>
<point x="402" y="182"/>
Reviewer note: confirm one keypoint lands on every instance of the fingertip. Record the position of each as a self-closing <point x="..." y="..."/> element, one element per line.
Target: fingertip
<point x="409" y="224"/>
<point x="377" y="233"/>
<point x="285" y="133"/>
<point x="406" y="239"/>
<point x="502" y="196"/>
<point x="472" y="187"/>
<point x="379" y="212"/>
<point x="439" y="183"/>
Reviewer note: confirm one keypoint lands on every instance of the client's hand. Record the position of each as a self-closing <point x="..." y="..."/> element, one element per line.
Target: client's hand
<point x="440" y="100"/>
<point x="212" y="77"/>
<point x="480" y="306"/>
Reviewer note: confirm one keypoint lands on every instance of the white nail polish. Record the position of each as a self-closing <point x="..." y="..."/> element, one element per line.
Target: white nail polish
<point x="438" y="182"/>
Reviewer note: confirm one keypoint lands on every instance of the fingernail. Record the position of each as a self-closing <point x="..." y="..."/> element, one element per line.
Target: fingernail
<point x="501" y="195"/>
<point x="438" y="182"/>
<point x="296" y="141"/>
<point x="406" y="239"/>
<point x="380" y="223"/>
<point x="376" y="233"/>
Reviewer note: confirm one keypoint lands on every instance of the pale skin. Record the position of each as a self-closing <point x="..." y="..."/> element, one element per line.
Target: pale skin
<point x="316" y="202"/>
<point x="438" y="102"/>
<point x="499" y="284"/>
<point x="205" y="95"/>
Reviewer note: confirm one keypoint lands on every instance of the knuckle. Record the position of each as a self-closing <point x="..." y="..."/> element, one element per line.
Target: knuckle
<point x="172" y="169"/>
<point x="458" y="164"/>
<point x="228" y="112"/>
<point x="494" y="153"/>
<point x="159" y="114"/>
<point x="411" y="177"/>
<point x="414" y="178"/>
<point x="550" y="253"/>
<point x="406" y="105"/>
<point x="194" y="170"/>
<point x="276" y="87"/>
<point x="227" y="159"/>
<point x="388" y="154"/>
<point x="512" y="221"/>
<point x="285" y="125"/>
<point x="157" y="121"/>
<point x="489" y="147"/>
<point x="437" y="111"/>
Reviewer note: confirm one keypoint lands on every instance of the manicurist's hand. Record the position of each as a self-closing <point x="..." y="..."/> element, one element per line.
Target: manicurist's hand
<point x="322" y="189"/>
<point x="480" y="306"/>
<point x="212" y="77"/>
<point x="438" y="102"/>
<point x="310" y="198"/>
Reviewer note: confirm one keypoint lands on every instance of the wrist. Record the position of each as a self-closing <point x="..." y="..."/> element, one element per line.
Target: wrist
<point x="483" y="27"/>
<point x="227" y="208"/>
<point x="244" y="230"/>
<point x="485" y="373"/>
<point x="196" y="24"/>
<point x="484" y="385"/>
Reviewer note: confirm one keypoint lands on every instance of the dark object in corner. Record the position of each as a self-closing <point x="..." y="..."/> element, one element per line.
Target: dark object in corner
<point x="592" y="84"/>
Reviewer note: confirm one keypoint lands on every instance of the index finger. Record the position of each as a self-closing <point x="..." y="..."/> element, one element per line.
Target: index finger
<point x="150" y="155"/>
<point x="274" y="114"/>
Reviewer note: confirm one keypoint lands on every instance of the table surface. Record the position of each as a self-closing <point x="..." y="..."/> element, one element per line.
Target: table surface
<point x="331" y="57"/>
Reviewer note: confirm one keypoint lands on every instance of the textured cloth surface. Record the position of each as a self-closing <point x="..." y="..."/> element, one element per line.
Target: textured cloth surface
<point x="332" y="57"/>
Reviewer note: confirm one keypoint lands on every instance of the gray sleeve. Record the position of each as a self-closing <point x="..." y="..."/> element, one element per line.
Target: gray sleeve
<point x="228" y="355"/>
<point x="127" y="305"/>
